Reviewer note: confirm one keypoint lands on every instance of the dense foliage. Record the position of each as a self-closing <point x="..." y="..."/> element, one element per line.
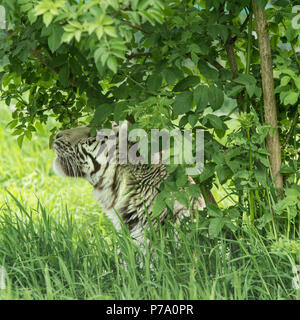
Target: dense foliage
<point x="166" y="64"/>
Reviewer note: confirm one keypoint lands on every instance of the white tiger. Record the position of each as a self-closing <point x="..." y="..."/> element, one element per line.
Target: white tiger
<point x="121" y="189"/>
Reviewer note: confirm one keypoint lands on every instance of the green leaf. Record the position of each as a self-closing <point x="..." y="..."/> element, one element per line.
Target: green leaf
<point x="224" y="173"/>
<point x="112" y="64"/>
<point x="99" y="52"/>
<point x="215" y="97"/>
<point x="170" y="76"/>
<point x="193" y="119"/>
<point x="218" y="30"/>
<point x="233" y="92"/>
<point x="245" y="79"/>
<point x="107" y="21"/>
<point x="170" y="186"/>
<point x="143" y="4"/>
<point x="194" y="190"/>
<point x="58" y="60"/>
<point x="170" y="203"/>
<point x="194" y="48"/>
<point x="134" y="17"/>
<point x="119" y="54"/>
<point x="291" y="33"/>
<point x="47" y="18"/>
<point x="234" y="213"/>
<point x="32" y="17"/>
<point x="26" y="7"/>
<point x="264" y="160"/>
<point x="183" y="198"/>
<point x="285" y="80"/>
<point x="250" y="90"/>
<point x="225" y="74"/>
<point x="215" y="226"/>
<point x="28" y="135"/>
<point x="154" y="82"/>
<point x="120" y="111"/>
<point x="64" y="75"/>
<point x="111" y="31"/>
<point x="55" y="37"/>
<point x="117" y="44"/>
<point x="215" y="122"/>
<point x="201" y="97"/>
<point x="42" y="7"/>
<point x="67" y="37"/>
<point x="181" y="178"/>
<point x="183" y="103"/>
<point x="101" y="113"/>
<point x="223" y="32"/>
<point x="186" y="83"/>
<point x="104" y="56"/>
<point x="287" y="169"/>
<point x="297" y="82"/>
<point x="153" y="15"/>
<point x="208" y="172"/>
<point x="214" y="211"/>
<point x="12" y="124"/>
<point x="159" y="205"/>
<point x="77" y="35"/>
<point x="99" y="32"/>
<point x="291" y="98"/>
<point x="114" y="4"/>
<point x="292" y="193"/>
<point x="183" y="121"/>
<point x="207" y="71"/>
<point x="20" y="141"/>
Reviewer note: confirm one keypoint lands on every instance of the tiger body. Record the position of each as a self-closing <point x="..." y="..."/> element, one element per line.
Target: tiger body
<point x="127" y="190"/>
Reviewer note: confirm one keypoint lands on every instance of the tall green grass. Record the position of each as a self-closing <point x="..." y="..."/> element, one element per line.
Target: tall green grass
<point x="48" y="257"/>
<point x="55" y="244"/>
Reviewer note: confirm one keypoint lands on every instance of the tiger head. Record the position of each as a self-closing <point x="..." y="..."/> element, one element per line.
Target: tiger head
<point x="76" y="153"/>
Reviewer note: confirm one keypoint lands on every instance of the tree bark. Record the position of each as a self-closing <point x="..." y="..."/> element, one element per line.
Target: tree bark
<point x="270" y="112"/>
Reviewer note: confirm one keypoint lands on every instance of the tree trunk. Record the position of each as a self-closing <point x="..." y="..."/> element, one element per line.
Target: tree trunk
<point x="270" y="111"/>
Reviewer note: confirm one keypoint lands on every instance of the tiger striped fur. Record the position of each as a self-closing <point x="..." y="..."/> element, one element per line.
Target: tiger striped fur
<point x="123" y="188"/>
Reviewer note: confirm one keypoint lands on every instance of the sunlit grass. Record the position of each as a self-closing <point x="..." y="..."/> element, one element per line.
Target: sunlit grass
<point x="28" y="174"/>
